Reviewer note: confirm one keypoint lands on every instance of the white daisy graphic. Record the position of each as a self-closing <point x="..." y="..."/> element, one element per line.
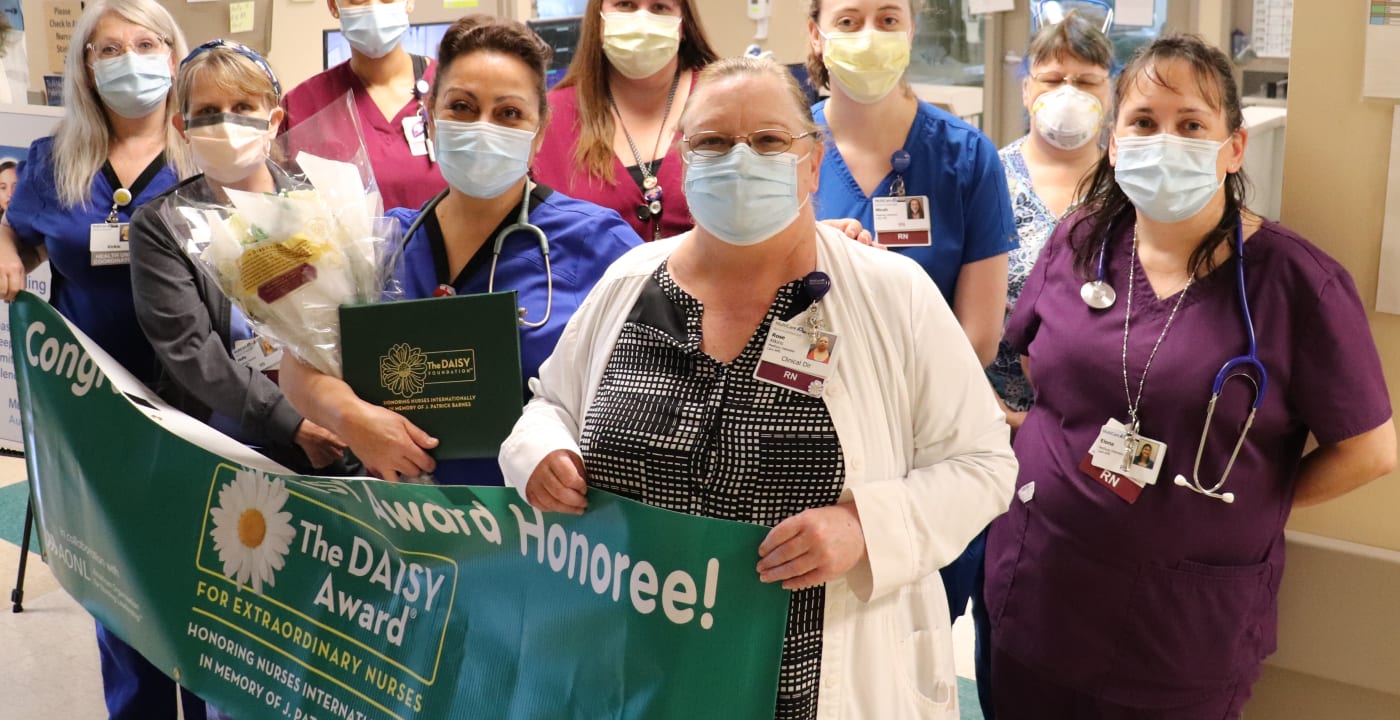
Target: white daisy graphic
<point x="251" y="533"/>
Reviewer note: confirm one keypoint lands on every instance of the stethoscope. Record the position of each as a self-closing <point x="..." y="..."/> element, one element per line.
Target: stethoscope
<point x="522" y="223"/>
<point x="1098" y="294"/>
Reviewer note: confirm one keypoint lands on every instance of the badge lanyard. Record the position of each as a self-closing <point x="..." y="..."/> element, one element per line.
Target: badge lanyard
<point x="1122" y="458"/>
<point x="650" y="209"/>
<point x="1135" y="403"/>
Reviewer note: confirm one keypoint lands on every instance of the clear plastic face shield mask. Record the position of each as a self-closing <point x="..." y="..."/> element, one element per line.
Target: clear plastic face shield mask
<point x="1051" y="12"/>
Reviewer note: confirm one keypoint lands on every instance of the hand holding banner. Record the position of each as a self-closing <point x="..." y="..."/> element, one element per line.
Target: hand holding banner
<point x="274" y="595"/>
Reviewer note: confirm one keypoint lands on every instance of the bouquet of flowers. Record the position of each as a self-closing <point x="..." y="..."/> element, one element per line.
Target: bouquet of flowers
<point x="290" y="259"/>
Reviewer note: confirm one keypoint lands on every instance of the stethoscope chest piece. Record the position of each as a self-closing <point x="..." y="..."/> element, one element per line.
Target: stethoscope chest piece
<point x="1098" y="294"/>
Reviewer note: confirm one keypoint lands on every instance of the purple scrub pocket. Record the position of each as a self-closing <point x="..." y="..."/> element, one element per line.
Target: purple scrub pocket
<point x="1194" y="626"/>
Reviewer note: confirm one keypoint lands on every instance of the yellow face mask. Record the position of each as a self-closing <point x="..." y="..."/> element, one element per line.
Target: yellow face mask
<point x="640" y="43"/>
<point x="866" y="64"/>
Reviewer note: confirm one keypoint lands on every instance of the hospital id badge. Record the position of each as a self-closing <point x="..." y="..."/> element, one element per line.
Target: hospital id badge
<point x="797" y="357"/>
<point x="1132" y="455"/>
<point x="108" y="244"/>
<point x="257" y="354"/>
<point x="416" y="133"/>
<point x="902" y="221"/>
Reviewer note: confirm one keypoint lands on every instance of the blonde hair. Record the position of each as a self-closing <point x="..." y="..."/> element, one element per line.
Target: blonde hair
<point x="588" y="75"/>
<point x="751" y="67"/>
<point x="82" y="138"/>
<point x="230" y="71"/>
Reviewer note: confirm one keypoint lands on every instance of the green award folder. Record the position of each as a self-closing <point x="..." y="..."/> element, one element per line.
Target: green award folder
<point x="451" y="365"/>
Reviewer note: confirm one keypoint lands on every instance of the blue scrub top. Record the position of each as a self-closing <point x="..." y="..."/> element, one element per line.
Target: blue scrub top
<point x="96" y="299"/>
<point x="957" y="168"/>
<point x="584" y="239"/>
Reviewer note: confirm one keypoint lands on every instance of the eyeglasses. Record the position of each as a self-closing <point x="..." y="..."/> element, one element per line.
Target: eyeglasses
<point x="1052" y="80"/>
<point x="147" y="45"/>
<point x="709" y="143"/>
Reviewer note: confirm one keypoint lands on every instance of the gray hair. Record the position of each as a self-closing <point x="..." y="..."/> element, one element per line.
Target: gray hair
<point x="82" y="138"/>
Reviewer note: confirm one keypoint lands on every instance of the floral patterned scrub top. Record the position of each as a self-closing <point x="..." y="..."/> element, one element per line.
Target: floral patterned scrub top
<point x="1034" y="224"/>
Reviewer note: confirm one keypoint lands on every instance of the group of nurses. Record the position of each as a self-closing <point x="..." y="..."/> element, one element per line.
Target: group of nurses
<point x="488" y="108"/>
<point x="1164" y="314"/>
<point x="114" y="149"/>
<point x="1126" y="595"/>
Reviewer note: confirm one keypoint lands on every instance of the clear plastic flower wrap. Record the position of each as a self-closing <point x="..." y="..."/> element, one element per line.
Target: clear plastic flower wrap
<point x="290" y="259"/>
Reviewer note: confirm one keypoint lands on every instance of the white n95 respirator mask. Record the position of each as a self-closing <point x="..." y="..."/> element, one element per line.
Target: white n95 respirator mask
<point x="1067" y="118"/>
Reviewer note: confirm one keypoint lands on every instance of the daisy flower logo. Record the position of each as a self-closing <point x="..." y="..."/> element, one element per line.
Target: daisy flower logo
<point x="251" y="532"/>
<point x="404" y="370"/>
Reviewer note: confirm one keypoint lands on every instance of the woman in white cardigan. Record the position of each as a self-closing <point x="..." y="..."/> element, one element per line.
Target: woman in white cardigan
<point x="872" y="477"/>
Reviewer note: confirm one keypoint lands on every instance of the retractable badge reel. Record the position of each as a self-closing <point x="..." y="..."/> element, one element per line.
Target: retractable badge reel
<point x="800" y="356"/>
<point x="107" y="241"/>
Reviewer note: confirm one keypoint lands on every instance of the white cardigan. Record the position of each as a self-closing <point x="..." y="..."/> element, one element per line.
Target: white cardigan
<point x="926" y="447"/>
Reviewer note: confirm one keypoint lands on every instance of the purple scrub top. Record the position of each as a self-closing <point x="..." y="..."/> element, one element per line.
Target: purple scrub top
<point x="1158" y="602"/>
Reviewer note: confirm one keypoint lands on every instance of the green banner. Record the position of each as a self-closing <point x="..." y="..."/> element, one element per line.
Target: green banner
<point x="274" y="595"/>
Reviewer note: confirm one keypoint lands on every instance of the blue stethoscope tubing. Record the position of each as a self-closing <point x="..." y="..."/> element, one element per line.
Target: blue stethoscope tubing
<point x="522" y="224"/>
<point x="1234" y="367"/>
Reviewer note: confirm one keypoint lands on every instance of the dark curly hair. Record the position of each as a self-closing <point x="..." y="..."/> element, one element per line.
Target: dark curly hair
<point x="475" y="33"/>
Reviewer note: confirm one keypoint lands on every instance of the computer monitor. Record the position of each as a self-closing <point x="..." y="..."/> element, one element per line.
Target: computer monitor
<point x="420" y="39"/>
<point x="561" y="34"/>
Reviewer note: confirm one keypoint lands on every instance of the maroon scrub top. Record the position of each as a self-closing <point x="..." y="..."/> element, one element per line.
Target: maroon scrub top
<point x="555" y="166"/>
<point x="404" y="180"/>
<point x="1175" y="596"/>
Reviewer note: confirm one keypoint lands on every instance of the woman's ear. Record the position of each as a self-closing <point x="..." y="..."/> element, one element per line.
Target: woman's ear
<point x="274" y="120"/>
<point x="814" y="163"/>
<point x="1236" y="146"/>
<point x="178" y="121"/>
<point x="814" y="38"/>
<point x="536" y="144"/>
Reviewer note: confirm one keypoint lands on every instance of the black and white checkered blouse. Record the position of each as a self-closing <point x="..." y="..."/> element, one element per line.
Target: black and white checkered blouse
<point x="673" y="427"/>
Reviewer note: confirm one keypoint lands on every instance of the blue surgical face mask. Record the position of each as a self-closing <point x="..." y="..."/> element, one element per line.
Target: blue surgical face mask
<point x="375" y="29"/>
<point x="1167" y="177"/>
<point x="741" y="197"/>
<point x="133" y="85"/>
<point x="482" y="159"/>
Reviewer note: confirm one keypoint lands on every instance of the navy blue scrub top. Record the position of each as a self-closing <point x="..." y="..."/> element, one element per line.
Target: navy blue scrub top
<point x="584" y="239"/>
<point x="958" y="169"/>
<point x="96" y="299"/>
